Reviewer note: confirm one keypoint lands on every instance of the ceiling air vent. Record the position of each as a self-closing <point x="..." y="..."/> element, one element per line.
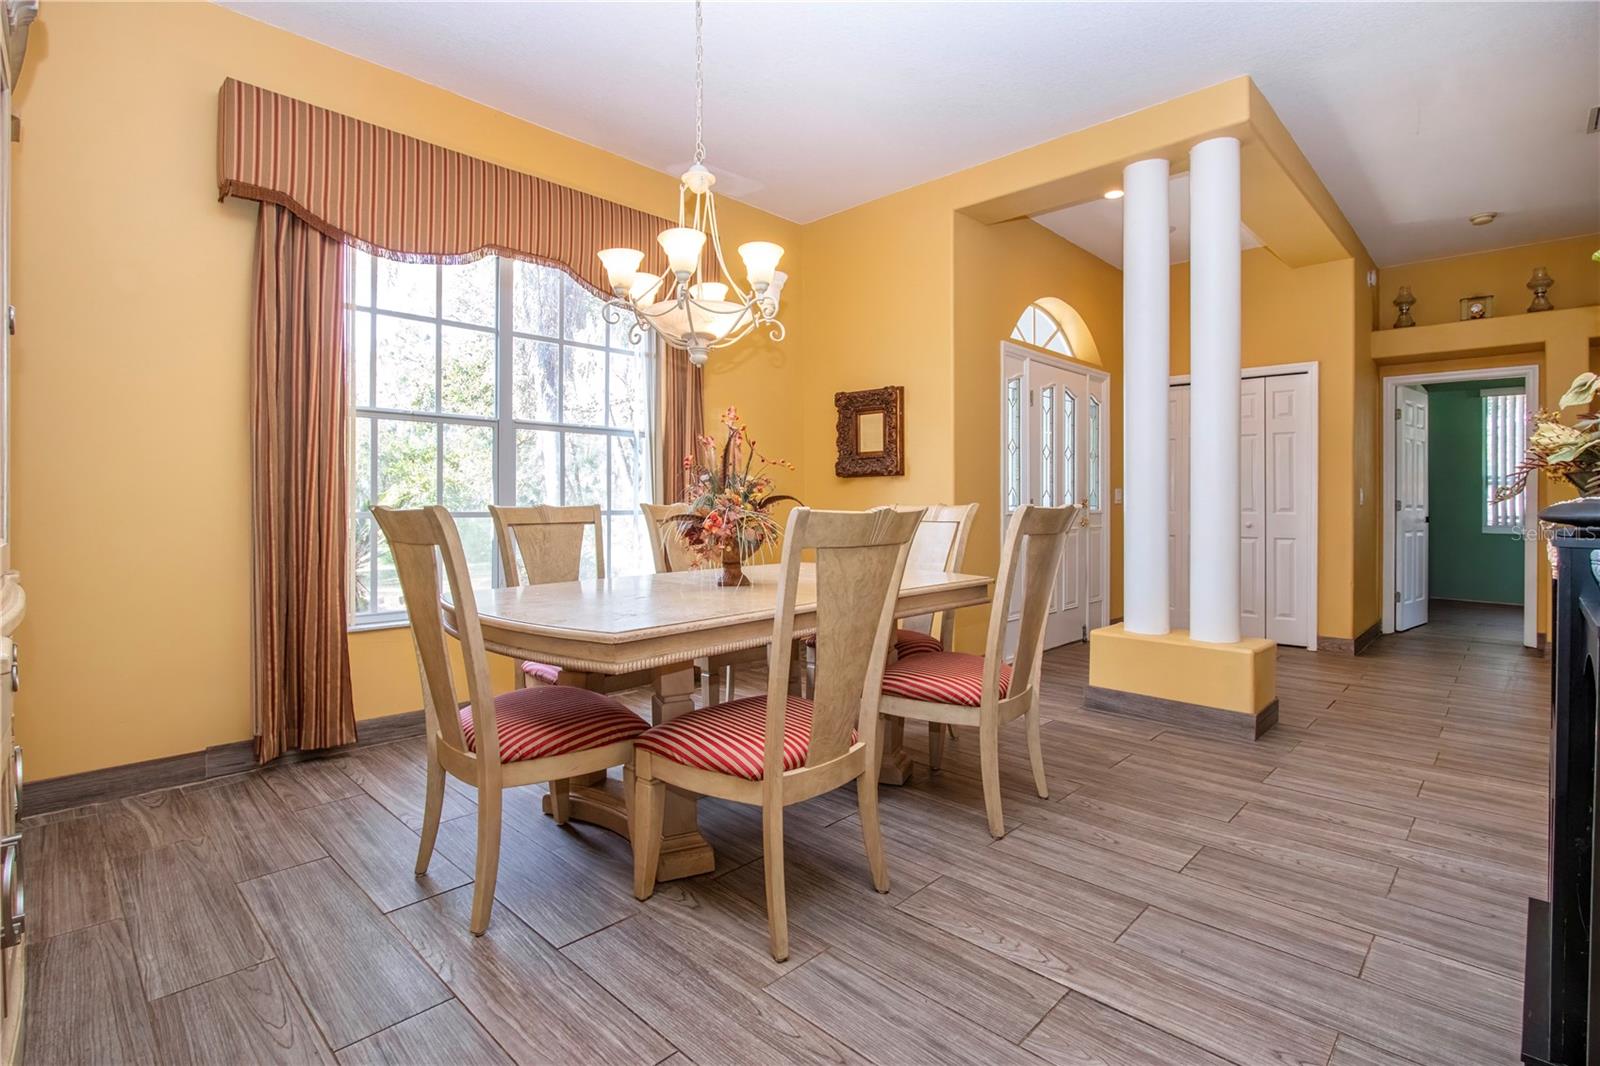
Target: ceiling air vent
<point x="1594" y="120"/>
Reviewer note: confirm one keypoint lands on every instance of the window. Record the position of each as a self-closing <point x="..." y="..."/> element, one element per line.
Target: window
<point x="1040" y="328"/>
<point x="1013" y="444"/>
<point x="1047" y="446"/>
<point x="1094" y="454"/>
<point x="1505" y="435"/>
<point x="1069" y="454"/>
<point x="490" y="382"/>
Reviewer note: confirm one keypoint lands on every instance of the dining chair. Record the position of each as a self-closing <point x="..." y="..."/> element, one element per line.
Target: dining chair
<point x="670" y="553"/>
<point x="940" y="544"/>
<point x="543" y="733"/>
<point x="548" y="541"/>
<point x="780" y="749"/>
<point x="983" y="690"/>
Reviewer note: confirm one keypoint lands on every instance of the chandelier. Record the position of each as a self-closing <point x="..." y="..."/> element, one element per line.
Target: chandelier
<point x="679" y="304"/>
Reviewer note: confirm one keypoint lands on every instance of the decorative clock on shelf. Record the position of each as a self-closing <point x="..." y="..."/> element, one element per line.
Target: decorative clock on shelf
<point x="1476" y="307"/>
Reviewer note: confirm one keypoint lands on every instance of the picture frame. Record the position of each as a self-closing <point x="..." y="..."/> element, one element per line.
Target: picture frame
<point x="871" y="435"/>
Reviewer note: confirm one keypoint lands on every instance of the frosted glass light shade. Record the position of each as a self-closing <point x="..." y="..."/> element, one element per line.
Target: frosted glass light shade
<point x="709" y="291"/>
<point x="642" y="286"/>
<point x="621" y="265"/>
<point x="681" y="322"/>
<point x="760" y="261"/>
<point x="774" y="291"/>
<point x="682" y="246"/>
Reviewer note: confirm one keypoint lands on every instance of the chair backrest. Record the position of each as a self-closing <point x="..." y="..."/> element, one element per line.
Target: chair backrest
<point x="860" y="559"/>
<point x="668" y="549"/>
<point x="549" y="540"/>
<point x="1035" y="542"/>
<point x="419" y="540"/>
<point x="940" y="544"/>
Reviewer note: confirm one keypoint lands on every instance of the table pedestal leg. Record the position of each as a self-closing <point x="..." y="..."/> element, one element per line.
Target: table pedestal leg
<point x="594" y="798"/>
<point x="896" y="766"/>
<point x="684" y="852"/>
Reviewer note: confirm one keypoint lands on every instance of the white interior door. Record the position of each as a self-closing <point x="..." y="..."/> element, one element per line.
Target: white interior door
<point x="1252" y="508"/>
<point x="1055" y="452"/>
<point x="1411" y="507"/>
<point x="1277" y="488"/>
<point x="1290" y="569"/>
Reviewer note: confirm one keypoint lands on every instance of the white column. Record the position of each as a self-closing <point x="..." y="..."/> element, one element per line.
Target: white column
<point x="1214" y="392"/>
<point x="1146" y="265"/>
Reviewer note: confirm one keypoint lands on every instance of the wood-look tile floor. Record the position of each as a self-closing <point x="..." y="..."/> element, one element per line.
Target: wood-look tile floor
<point x="1350" y="889"/>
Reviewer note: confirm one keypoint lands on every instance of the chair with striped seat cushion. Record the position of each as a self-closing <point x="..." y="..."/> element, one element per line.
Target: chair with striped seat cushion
<point x="550" y="675"/>
<point x="778" y="749"/>
<point x="729" y="738"/>
<point x="541" y="733"/>
<point x="911" y="642"/>
<point x="951" y="688"/>
<point x="942" y="677"/>
<point x="538" y="723"/>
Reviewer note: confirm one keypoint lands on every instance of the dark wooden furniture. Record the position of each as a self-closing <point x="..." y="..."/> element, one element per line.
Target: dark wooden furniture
<point x="1560" y="985"/>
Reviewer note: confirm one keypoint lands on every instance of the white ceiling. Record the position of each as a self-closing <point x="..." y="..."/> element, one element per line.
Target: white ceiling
<point x="1416" y="115"/>
<point x="1096" y="226"/>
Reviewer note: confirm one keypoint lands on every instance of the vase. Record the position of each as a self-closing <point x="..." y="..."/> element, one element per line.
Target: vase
<point x="732" y="568"/>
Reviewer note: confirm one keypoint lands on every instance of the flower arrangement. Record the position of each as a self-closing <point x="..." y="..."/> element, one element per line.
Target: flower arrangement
<point x="1571" y="453"/>
<point x="730" y="498"/>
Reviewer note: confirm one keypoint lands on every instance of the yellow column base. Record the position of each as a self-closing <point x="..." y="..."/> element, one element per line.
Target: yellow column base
<point x="1224" y="689"/>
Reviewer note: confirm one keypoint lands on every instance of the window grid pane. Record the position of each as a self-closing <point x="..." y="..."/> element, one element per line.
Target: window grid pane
<point x="1094" y="454"/>
<point x="1013" y="443"/>
<point x="425" y="352"/>
<point x="1505" y="424"/>
<point x="1047" y="446"/>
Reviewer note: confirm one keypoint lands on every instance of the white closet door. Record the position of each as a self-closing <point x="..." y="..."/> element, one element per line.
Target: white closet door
<point x="1411" y="500"/>
<point x="1178" y="504"/>
<point x="1290" y="479"/>
<point x="1252" y="508"/>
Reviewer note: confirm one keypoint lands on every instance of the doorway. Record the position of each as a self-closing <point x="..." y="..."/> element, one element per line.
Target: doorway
<point x="1451" y="441"/>
<point x="1277" y="503"/>
<point x="1055" y="451"/>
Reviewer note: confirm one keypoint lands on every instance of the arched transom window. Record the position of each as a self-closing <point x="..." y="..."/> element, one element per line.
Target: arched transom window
<point x="1041" y="329"/>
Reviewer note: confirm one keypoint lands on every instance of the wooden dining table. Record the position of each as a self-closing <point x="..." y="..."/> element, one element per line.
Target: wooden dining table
<point x="655" y="626"/>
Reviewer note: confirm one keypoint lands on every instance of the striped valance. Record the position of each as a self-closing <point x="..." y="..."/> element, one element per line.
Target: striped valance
<point x="397" y="196"/>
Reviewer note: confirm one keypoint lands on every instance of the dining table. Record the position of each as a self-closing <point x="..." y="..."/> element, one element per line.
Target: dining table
<point x="655" y="626"/>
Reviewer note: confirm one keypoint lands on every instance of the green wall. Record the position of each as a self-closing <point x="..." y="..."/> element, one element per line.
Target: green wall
<point x="1464" y="562"/>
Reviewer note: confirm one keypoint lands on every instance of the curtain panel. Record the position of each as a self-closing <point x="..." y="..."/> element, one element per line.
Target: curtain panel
<point x="401" y="197"/>
<point x="680" y="418"/>
<point x="325" y="180"/>
<point x="300" y="414"/>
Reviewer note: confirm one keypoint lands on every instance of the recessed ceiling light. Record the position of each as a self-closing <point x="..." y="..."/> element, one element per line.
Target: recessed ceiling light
<point x="1483" y="218"/>
<point x="1113" y="194"/>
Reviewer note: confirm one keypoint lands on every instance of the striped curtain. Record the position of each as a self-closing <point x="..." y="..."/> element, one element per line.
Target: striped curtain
<point x="300" y="410"/>
<point x="325" y="180"/>
<point x="681" y="408"/>
<point x="400" y="197"/>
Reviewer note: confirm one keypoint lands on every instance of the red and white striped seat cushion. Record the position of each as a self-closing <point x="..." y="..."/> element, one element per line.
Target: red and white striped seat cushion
<point x="906" y="642"/>
<point x="728" y="738"/>
<point x="536" y="723"/>
<point x="550" y="675"/>
<point x="941" y="677"/>
<point x="910" y="642"/>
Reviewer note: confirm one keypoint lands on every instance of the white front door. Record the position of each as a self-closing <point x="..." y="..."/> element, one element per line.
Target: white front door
<point x="1056" y="431"/>
<point x="1411" y="507"/>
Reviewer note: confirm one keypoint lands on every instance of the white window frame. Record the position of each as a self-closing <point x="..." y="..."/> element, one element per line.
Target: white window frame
<point x="1027" y="330"/>
<point x="1503" y="446"/>
<point x="503" y="422"/>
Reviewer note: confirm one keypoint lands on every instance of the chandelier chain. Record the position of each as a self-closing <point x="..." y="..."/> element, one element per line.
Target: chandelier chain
<point x="699" y="85"/>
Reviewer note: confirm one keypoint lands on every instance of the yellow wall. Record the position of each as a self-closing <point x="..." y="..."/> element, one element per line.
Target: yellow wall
<point x="130" y="448"/>
<point x="1439" y="284"/>
<point x="999" y="270"/>
<point x="1311" y="315"/>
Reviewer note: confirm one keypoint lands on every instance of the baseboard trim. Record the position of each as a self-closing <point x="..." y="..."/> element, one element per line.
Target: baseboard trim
<point x="1346" y="646"/>
<point x="219" y="760"/>
<point x="1207" y="721"/>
